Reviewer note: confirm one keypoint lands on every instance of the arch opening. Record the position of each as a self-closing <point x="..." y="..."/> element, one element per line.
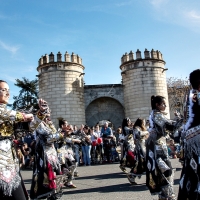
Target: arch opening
<point x="105" y="108"/>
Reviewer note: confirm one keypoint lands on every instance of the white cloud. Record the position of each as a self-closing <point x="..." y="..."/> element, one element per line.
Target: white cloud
<point x="9" y="78"/>
<point x="29" y="69"/>
<point x="193" y="15"/>
<point x="182" y="13"/>
<point x="158" y="3"/>
<point x="125" y="3"/>
<point x="3" y="16"/>
<point x="8" y="17"/>
<point x="12" y="49"/>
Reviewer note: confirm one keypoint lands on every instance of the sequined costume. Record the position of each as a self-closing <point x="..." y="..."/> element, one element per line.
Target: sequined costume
<point x="67" y="160"/>
<point x="159" y="172"/>
<point x="189" y="188"/>
<point x="11" y="183"/>
<point x="47" y="178"/>
<point x="136" y="152"/>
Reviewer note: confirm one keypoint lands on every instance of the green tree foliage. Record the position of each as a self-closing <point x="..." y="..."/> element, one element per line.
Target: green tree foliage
<point x="28" y="93"/>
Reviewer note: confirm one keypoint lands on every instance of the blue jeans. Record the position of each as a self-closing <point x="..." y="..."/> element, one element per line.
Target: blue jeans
<point x="86" y="154"/>
<point x="76" y="152"/>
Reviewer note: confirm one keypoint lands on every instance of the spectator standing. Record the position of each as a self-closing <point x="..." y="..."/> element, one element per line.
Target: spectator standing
<point x="94" y="137"/>
<point x="26" y="152"/>
<point x="107" y="135"/>
<point x="76" y="134"/>
<point x="172" y="149"/>
<point x="117" y="134"/>
<point x="28" y="139"/>
<point x="86" y="145"/>
<point x="99" y="147"/>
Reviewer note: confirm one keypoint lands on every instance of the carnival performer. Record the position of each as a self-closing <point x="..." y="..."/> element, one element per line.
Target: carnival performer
<point x="47" y="178"/>
<point x="11" y="183"/>
<point x="126" y="126"/>
<point x="121" y="141"/>
<point x="126" y="130"/>
<point x="66" y="155"/>
<point x="189" y="188"/>
<point x="136" y="150"/>
<point x="159" y="173"/>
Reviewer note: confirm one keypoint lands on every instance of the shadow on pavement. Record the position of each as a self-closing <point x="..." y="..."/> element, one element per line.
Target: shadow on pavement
<point x="176" y="181"/>
<point x="104" y="176"/>
<point x="107" y="189"/>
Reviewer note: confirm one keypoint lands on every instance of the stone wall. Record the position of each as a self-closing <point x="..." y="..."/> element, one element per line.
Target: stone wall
<point x="105" y="108"/>
<point x="61" y="85"/>
<point x="142" y="78"/>
<point x="104" y="102"/>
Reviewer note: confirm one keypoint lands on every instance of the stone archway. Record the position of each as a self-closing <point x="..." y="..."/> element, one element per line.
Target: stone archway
<point x="105" y="108"/>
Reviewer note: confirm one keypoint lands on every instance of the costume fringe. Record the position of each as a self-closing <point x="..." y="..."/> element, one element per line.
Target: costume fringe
<point x="7" y="188"/>
<point x="192" y="146"/>
<point x="54" y="164"/>
<point x="151" y="121"/>
<point x="190" y="112"/>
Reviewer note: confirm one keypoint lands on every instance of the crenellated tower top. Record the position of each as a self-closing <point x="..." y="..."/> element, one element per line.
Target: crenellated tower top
<point x="151" y="59"/>
<point x="48" y="62"/>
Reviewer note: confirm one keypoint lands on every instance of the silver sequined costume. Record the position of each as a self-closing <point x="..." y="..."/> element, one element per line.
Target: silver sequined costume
<point x="159" y="175"/>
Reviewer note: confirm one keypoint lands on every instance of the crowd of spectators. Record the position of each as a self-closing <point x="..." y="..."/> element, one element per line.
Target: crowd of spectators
<point x="97" y="145"/>
<point x="25" y="146"/>
<point x="92" y="145"/>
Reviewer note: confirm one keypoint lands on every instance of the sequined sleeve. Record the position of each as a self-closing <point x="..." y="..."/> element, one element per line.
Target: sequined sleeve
<point x="38" y="123"/>
<point x="161" y="121"/>
<point x="19" y="117"/>
<point x="34" y="124"/>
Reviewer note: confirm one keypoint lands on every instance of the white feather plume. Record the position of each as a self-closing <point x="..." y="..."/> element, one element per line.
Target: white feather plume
<point x="190" y="112"/>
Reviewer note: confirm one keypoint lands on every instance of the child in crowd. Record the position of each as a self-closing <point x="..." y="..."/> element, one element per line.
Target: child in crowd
<point x="172" y="149"/>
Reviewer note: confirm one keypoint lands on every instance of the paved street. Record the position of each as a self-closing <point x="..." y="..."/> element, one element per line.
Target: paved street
<point x="107" y="182"/>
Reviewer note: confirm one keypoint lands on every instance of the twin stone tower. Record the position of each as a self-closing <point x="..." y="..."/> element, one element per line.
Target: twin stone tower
<point x="61" y="84"/>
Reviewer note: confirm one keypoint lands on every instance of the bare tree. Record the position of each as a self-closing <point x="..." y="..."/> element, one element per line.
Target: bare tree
<point x="177" y="92"/>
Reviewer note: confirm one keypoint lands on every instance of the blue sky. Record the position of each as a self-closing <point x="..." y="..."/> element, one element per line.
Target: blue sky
<point x="99" y="31"/>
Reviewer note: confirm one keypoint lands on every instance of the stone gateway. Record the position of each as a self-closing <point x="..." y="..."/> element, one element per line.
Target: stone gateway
<point x="61" y="84"/>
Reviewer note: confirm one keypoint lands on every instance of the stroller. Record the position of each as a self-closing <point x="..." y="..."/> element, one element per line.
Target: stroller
<point x="96" y="151"/>
<point x="113" y="151"/>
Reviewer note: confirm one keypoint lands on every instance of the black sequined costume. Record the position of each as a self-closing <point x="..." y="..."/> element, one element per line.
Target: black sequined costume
<point x="47" y="178"/>
<point x="159" y="174"/>
<point x="189" y="188"/>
